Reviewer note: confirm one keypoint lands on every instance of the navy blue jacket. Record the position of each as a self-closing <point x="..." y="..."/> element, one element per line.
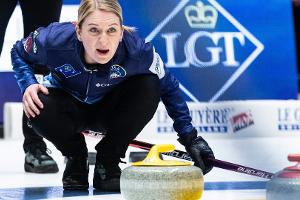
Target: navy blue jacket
<point x="58" y="48"/>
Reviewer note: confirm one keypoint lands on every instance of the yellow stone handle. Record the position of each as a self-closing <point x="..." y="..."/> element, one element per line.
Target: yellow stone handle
<point x="153" y="155"/>
<point x="153" y="158"/>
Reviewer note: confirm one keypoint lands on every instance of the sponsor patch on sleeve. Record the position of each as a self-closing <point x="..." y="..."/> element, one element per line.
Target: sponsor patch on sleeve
<point x="29" y="44"/>
<point x="157" y="66"/>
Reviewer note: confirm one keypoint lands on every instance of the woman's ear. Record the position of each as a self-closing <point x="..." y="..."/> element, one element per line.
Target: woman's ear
<point x="78" y="33"/>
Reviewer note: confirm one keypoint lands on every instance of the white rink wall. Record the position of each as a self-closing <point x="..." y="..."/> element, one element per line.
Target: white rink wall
<point x="257" y="134"/>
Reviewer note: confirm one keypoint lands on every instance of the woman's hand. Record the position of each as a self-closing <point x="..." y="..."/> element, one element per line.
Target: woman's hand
<point x="31" y="102"/>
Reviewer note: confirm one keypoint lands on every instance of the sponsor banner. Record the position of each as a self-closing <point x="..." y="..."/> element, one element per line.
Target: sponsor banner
<point x="255" y="118"/>
<point x="226" y="119"/>
<point x="209" y="41"/>
<point x="221" y="50"/>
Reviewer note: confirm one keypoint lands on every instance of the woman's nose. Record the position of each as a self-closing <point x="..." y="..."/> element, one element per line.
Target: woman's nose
<point x="102" y="38"/>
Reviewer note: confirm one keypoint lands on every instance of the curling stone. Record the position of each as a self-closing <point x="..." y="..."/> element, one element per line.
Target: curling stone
<point x="285" y="184"/>
<point x="157" y="179"/>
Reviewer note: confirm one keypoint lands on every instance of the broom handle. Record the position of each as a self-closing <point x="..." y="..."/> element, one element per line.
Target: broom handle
<point x="215" y="162"/>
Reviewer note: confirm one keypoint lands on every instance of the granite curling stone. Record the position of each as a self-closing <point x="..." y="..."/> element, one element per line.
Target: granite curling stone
<point x="156" y="179"/>
<point x="285" y="184"/>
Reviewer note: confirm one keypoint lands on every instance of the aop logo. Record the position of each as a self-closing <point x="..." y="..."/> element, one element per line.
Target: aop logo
<point x="205" y="47"/>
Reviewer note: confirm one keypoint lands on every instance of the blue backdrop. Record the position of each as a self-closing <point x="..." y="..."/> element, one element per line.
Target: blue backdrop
<point x="225" y="50"/>
<point x="219" y="50"/>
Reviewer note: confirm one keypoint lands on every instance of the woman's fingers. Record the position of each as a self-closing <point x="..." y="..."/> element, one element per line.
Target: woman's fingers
<point x="36" y="100"/>
<point x="27" y="108"/>
<point x="43" y="89"/>
<point x="31" y="102"/>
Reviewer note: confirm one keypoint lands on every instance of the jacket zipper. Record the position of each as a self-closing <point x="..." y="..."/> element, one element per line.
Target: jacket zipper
<point x="88" y="85"/>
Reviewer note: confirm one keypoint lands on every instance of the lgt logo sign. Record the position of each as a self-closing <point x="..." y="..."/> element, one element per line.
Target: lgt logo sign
<point x="205" y="47"/>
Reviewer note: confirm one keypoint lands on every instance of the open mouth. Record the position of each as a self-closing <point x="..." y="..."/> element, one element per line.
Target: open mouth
<point x="102" y="51"/>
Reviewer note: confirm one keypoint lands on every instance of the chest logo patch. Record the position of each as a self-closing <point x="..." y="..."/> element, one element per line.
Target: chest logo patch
<point x="67" y="70"/>
<point x="116" y="71"/>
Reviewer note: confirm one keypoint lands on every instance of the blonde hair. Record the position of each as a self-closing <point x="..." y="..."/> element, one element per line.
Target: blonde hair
<point x="86" y="7"/>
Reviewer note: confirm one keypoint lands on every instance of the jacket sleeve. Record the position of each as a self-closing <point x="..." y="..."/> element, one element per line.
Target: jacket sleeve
<point x="27" y="53"/>
<point x="171" y="97"/>
<point x="175" y="105"/>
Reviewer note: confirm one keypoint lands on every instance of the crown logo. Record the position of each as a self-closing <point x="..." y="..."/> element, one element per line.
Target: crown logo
<point x="201" y="16"/>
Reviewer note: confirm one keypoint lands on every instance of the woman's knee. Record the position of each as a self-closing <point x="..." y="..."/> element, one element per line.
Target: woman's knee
<point x="51" y="111"/>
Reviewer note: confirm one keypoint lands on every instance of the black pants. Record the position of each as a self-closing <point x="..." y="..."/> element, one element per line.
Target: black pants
<point x="122" y="113"/>
<point x="36" y="13"/>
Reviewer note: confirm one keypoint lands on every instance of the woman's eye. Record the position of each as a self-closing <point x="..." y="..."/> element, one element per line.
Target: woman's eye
<point x="94" y="30"/>
<point x="111" y="30"/>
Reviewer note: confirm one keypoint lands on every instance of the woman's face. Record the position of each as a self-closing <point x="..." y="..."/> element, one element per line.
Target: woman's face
<point x="100" y="34"/>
